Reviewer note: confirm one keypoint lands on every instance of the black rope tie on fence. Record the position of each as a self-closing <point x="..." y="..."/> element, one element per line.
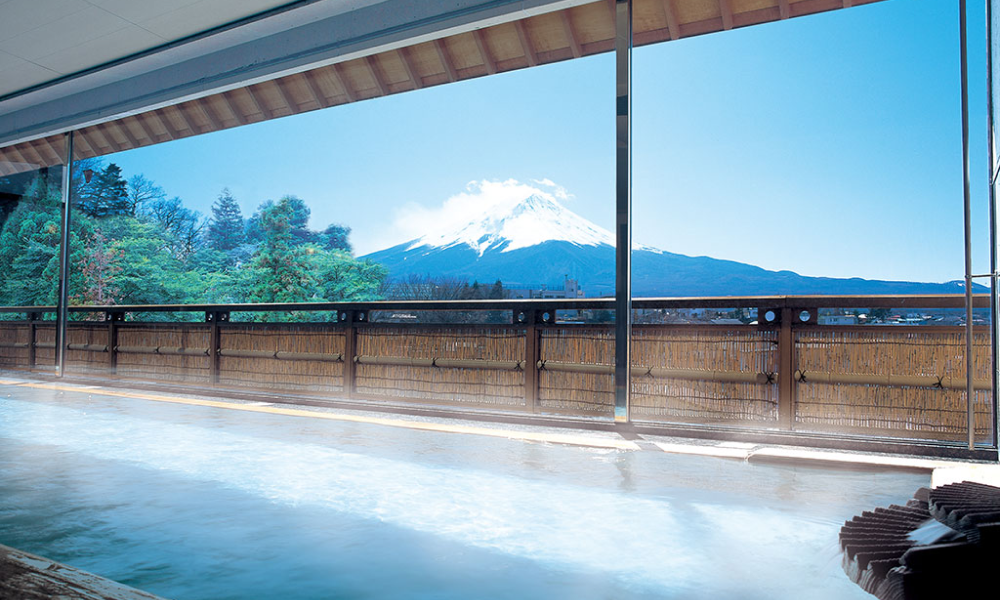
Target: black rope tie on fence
<point x="770" y="375"/>
<point x="541" y="365"/>
<point x="802" y="375"/>
<point x="940" y="382"/>
<point x="649" y="372"/>
<point x="434" y="362"/>
<point x="519" y="365"/>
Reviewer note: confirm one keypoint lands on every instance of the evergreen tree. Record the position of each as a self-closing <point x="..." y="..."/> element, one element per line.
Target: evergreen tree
<point x="334" y="237"/>
<point x="226" y="227"/>
<point x="106" y="195"/>
<point x="279" y="271"/>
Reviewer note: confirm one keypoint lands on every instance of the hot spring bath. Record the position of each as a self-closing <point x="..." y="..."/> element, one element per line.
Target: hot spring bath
<point x="198" y="502"/>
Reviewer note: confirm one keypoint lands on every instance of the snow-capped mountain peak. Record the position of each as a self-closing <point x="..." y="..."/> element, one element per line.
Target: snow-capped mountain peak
<point x="529" y="222"/>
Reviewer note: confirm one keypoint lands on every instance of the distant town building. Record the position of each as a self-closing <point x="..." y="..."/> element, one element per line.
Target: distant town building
<point x="571" y="289"/>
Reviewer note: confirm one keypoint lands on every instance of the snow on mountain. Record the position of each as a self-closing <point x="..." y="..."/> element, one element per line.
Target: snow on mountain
<point x="532" y="221"/>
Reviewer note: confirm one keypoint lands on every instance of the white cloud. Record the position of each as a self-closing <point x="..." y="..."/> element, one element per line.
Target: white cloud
<point x="414" y="220"/>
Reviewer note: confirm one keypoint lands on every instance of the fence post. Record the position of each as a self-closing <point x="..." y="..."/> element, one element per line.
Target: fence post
<point x="32" y="335"/>
<point x="348" y="318"/>
<point x="113" y="318"/>
<point x="215" y="342"/>
<point x="786" y="374"/>
<point x="532" y="350"/>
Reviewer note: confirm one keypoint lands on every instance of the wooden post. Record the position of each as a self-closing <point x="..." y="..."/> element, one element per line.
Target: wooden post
<point x="786" y="371"/>
<point x="32" y="335"/>
<point x="350" y="351"/>
<point x="113" y="318"/>
<point x="532" y="352"/>
<point x="214" y="344"/>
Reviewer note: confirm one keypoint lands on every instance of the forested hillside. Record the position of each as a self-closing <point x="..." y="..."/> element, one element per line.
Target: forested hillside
<point x="132" y="244"/>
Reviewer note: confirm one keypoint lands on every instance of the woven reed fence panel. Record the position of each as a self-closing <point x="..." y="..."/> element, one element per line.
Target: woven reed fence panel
<point x="303" y="376"/>
<point x="588" y="393"/>
<point x="908" y="411"/>
<point x="732" y="350"/>
<point x="45" y="335"/>
<point x="661" y="398"/>
<point x="14" y="333"/>
<point x="499" y="388"/>
<point x="161" y="367"/>
<point x="83" y="361"/>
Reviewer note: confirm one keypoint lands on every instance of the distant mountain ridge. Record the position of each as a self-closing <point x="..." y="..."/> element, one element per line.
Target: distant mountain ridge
<point x="539" y="240"/>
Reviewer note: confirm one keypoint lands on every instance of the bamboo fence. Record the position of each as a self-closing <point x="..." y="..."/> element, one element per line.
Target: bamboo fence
<point x="494" y="387"/>
<point x="138" y="356"/>
<point x="664" y="361"/>
<point x="294" y="358"/>
<point x="14" y="341"/>
<point x="932" y="411"/>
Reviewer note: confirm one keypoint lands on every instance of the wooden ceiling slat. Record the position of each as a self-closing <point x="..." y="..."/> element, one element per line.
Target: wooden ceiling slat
<point x="445" y="58"/>
<point x="529" y="51"/>
<point x="83" y="147"/>
<point x="182" y="112"/>
<point x="376" y="74"/>
<point x="233" y="107"/>
<point x="164" y="119"/>
<point x="727" y="14"/>
<point x="315" y="92"/>
<point x="45" y="152"/>
<point x="285" y="96"/>
<point x="411" y="71"/>
<point x="568" y="33"/>
<point x="484" y="52"/>
<point x="338" y="74"/>
<point x="146" y="129"/>
<point x="123" y="128"/>
<point x="105" y="133"/>
<point x="672" y="23"/>
<point x="207" y="112"/>
<point x="258" y="103"/>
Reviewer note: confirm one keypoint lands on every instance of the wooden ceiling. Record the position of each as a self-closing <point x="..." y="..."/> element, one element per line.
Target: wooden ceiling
<point x="552" y="37"/>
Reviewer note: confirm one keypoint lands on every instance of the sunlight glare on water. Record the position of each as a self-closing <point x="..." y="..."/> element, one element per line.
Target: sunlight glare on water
<point x="475" y="529"/>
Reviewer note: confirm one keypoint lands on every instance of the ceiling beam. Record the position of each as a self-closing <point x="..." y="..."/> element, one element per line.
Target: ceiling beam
<point x="181" y="111"/>
<point x="376" y="73"/>
<point x="258" y="103"/>
<point x="233" y="107"/>
<point x="83" y="144"/>
<point x="783" y="9"/>
<point x="484" y="52"/>
<point x="164" y="120"/>
<point x="529" y="51"/>
<point x="206" y="110"/>
<point x="286" y="97"/>
<point x="146" y="129"/>
<point x="122" y="128"/>
<point x="672" y="23"/>
<point x="445" y="58"/>
<point x="338" y="74"/>
<point x="101" y="130"/>
<point x="727" y="14"/>
<point x="411" y="71"/>
<point x="314" y="90"/>
<point x="570" y="32"/>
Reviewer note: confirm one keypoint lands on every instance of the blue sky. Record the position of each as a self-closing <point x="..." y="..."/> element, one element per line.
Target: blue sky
<point x="828" y="145"/>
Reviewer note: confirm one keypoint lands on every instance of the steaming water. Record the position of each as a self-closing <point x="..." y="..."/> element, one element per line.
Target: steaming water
<point x="195" y="502"/>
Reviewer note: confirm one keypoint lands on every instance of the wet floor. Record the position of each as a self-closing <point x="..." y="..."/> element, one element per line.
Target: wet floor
<point x="192" y="502"/>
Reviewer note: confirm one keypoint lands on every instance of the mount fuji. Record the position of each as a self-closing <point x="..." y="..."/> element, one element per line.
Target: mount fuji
<point x="538" y="241"/>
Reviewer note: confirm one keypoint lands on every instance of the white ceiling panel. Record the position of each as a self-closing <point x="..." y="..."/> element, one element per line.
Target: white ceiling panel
<point x="199" y="16"/>
<point x="54" y="38"/>
<point x="60" y="34"/>
<point x="23" y="74"/>
<point x="100" y="50"/>
<point x="22" y="16"/>
<point x="135" y="12"/>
